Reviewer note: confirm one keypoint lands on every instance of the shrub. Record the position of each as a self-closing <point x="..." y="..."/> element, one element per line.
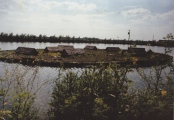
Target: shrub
<point x="105" y="94"/>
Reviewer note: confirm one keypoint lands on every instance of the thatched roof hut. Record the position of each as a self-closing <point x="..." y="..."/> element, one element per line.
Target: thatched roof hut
<point x="26" y="51"/>
<point x="53" y="49"/>
<point x="137" y="51"/>
<point x="79" y="51"/>
<point x="112" y="49"/>
<point x="66" y="46"/>
<point x="88" y="47"/>
<point x="69" y="52"/>
<point x="59" y="48"/>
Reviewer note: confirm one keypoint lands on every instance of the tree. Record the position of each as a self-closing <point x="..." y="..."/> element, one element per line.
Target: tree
<point x="11" y="35"/>
<point x="40" y="36"/>
<point x="2" y="34"/>
<point x="19" y="87"/>
<point x="105" y="94"/>
<point x="167" y="44"/>
<point x="44" y="37"/>
<point x="95" y="94"/>
<point x="155" y="100"/>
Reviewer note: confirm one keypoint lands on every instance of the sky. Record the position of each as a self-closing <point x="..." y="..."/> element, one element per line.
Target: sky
<point x="110" y="19"/>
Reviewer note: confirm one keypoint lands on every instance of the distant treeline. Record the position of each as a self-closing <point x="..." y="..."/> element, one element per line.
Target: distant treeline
<point x="5" y="37"/>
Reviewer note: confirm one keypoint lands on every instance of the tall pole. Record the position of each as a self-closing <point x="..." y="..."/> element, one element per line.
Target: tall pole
<point x="128" y="36"/>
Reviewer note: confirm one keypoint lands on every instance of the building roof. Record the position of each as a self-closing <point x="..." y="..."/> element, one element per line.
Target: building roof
<point x="58" y="48"/>
<point x="66" y="46"/>
<point x="26" y="51"/>
<point x="69" y="52"/>
<point x="136" y="49"/>
<point x="112" y="49"/>
<point x="53" y="49"/>
<point x="79" y="51"/>
<point x="88" y="47"/>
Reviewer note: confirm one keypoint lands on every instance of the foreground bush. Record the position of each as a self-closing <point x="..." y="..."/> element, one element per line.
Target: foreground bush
<point x="105" y="94"/>
<point x="18" y="88"/>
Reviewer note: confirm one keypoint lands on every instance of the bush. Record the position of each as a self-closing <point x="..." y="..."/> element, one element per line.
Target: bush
<point x="105" y="94"/>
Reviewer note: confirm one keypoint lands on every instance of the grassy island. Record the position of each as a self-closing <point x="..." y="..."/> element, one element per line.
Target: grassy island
<point x="71" y="57"/>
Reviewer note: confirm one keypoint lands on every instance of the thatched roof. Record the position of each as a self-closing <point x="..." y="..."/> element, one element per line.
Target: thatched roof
<point x="26" y="51"/>
<point x="53" y="49"/>
<point x="69" y="52"/>
<point x="59" y="48"/>
<point x="79" y="51"/>
<point x="66" y="46"/>
<point x="137" y="51"/>
<point x="88" y="47"/>
<point x="112" y="49"/>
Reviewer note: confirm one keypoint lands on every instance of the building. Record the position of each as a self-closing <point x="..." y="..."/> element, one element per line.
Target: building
<point x="113" y="49"/>
<point x="26" y="51"/>
<point x="70" y="52"/>
<point x="88" y="47"/>
<point x="66" y="46"/>
<point x="79" y="51"/>
<point x="137" y="51"/>
<point x="53" y="49"/>
<point x="59" y="48"/>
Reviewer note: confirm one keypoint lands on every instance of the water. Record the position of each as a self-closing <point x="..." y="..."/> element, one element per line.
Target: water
<point x="48" y="73"/>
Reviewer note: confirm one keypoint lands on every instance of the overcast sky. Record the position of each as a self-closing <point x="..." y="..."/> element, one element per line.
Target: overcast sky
<point x="89" y="18"/>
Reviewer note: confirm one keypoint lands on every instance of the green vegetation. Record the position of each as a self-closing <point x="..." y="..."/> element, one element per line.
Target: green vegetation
<point x="18" y="88"/>
<point x="106" y="94"/>
<point x="168" y="47"/>
<point x="5" y="37"/>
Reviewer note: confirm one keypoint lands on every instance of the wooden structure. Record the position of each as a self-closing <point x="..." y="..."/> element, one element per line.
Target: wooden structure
<point x="26" y="51"/>
<point x="137" y="51"/>
<point x="70" y="52"/>
<point x="88" y="47"/>
<point x="58" y="48"/>
<point x="53" y="49"/>
<point x="113" y="49"/>
<point x="66" y="46"/>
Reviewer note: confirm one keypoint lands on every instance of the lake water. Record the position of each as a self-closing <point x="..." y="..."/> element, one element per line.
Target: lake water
<point x="51" y="73"/>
